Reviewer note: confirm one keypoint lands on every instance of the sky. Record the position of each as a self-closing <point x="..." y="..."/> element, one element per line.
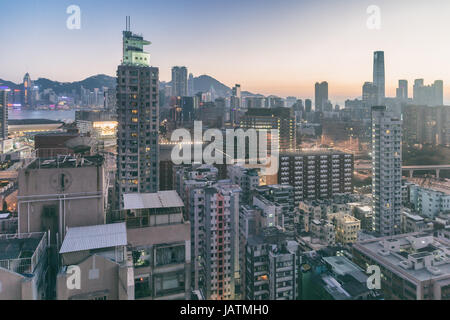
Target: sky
<point x="277" y="47"/>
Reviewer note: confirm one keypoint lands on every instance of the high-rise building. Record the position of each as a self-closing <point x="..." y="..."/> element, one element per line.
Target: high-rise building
<point x="402" y="90"/>
<point x="221" y="245"/>
<point x="316" y="174"/>
<point x="271" y="267"/>
<point x="138" y="120"/>
<point x="369" y="95"/>
<point x="281" y="119"/>
<point x="379" y="76"/>
<point x="179" y="81"/>
<point x="439" y="92"/>
<point x="387" y="171"/>
<point x="308" y="105"/>
<point x="4" y="91"/>
<point x="424" y="124"/>
<point x="321" y="95"/>
<point x="235" y="104"/>
<point x="159" y="237"/>
<point x="235" y="101"/>
<point x="27" y="91"/>
<point x="430" y="95"/>
<point x="191" y="88"/>
<point x="109" y="100"/>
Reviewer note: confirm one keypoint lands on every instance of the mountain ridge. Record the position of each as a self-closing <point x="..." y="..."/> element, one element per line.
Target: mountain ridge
<point x="202" y="83"/>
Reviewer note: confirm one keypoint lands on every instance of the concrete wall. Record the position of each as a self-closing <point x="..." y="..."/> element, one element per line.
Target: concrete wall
<point x="103" y="281"/>
<point x="78" y="212"/>
<point x="10" y="285"/>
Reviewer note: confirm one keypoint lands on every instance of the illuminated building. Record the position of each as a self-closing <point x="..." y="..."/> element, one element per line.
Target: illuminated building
<point x="27" y="91"/>
<point x="281" y="119"/>
<point x="138" y="119"/>
<point x="4" y="91"/>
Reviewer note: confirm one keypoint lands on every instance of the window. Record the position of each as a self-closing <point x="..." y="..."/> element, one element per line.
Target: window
<point x="141" y="258"/>
<point x="169" y="255"/>
<point x="169" y="283"/>
<point x="142" y="287"/>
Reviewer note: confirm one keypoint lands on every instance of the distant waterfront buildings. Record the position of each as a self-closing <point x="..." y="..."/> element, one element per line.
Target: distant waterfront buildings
<point x="4" y="91"/>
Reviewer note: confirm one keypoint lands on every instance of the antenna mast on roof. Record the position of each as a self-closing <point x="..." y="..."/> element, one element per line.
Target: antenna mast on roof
<point x="128" y="23"/>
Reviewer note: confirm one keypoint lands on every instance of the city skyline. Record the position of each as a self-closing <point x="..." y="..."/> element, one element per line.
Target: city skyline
<point x="236" y="52"/>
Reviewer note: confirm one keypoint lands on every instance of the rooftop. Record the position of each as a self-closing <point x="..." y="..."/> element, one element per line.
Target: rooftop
<point x="94" y="237"/>
<point x="436" y="185"/>
<point x="312" y="152"/>
<point x="21" y="252"/>
<point x="342" y="266"/>
<point x="161" y="199"/>
<point x="67" y="162"/>
<point x="416" y="256"/>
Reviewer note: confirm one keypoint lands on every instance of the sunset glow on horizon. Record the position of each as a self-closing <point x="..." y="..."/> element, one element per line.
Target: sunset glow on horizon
<point x="269" y="47"/>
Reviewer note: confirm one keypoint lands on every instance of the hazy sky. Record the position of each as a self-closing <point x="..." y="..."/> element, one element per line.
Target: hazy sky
<point x="268" y="46"/>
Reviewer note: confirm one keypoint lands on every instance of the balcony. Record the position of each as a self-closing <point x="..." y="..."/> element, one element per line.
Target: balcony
<point x="23" y="252"/>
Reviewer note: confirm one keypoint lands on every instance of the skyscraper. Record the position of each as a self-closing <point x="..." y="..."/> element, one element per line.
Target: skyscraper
<point x="308" y="105"/>
<point x="321" y="95"/>
<point x="429" y="95"/>
<point x="138" y="117"/>
<point x="281" y="119"/>
<point x="27" y="88"/>
<point x="179" y="82"/>
<point x="402" y="90"/>
<point x="439" y="92"/>
<point x="4" y="113"/>
<point x="379" y="75"/>
<point x="387" y="171"/>
<point x="191" y="89"/>
<point x="369" y="94"/>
